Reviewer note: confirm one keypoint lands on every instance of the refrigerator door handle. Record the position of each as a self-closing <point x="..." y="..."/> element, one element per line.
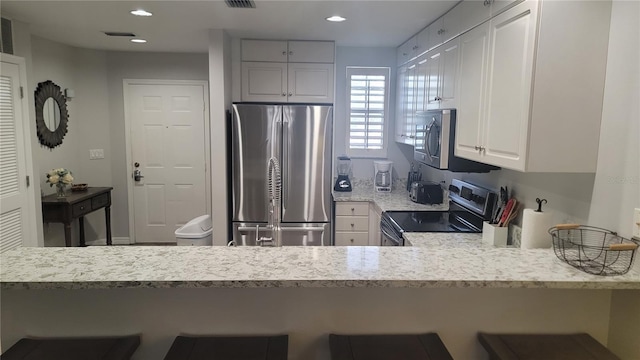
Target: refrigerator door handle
<point x="285" y="160"/>
<point x="303" y="228"/>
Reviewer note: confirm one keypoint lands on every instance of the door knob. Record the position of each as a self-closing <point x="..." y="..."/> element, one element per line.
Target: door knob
<point x="137" y="176"/>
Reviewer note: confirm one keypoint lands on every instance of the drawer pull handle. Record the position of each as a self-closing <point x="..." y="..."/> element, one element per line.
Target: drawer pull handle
<point x="351" y="240"/>
<point x="81" y="207"/>
<point x="353" y="209"/>
<point x="352" y="224"/>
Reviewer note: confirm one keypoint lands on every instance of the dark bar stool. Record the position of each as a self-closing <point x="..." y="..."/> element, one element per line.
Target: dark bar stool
<point x="229" y="348"/>
<point x="103" y="348"/>
<point x="388" y="347"/>
<point x="544" y="347"/>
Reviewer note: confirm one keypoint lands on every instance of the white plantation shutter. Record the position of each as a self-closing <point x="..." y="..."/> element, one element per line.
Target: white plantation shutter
<point x="367" y="109"/>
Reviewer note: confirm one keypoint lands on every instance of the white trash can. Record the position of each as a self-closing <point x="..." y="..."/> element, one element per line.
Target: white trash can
<point x="197" y="232"/>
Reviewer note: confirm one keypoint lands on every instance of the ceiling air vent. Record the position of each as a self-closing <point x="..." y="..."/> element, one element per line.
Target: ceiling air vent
<point x="241" y="4"/>
<point x="115" y="33"/>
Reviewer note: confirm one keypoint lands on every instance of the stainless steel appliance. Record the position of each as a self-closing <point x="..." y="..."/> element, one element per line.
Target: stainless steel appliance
<point x="469" y="206"/>
<point x="435" y="142"/>
<point x="426" y="192"/>
<point x="299" y="136"/>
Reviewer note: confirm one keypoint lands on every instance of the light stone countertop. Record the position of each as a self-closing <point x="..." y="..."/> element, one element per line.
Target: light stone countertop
<point x="396" y="200"/>
<point x="107" y="267"/>
<point x="445" y="240"/>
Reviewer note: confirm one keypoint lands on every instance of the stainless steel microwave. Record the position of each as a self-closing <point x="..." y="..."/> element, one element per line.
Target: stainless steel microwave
<point x="435" y="141"/>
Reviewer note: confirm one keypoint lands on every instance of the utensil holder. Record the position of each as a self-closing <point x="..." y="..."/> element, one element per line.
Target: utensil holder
<point x="494" y="235"/>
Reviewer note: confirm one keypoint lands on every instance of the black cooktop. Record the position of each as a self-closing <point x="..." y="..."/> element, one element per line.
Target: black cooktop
<point x="457" y="219"/>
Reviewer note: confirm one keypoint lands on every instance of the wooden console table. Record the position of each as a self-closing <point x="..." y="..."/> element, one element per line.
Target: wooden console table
<point x="75" y="206"/>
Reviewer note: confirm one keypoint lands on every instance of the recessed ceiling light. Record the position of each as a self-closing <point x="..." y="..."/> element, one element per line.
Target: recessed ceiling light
<point x="141" y="12"/>
<point x="140" y="41"/>
<point x="336" y="18"/>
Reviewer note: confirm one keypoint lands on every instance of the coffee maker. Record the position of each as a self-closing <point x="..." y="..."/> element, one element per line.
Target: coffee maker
<point x="382" y="176"/>
<point x="344" y="167"/>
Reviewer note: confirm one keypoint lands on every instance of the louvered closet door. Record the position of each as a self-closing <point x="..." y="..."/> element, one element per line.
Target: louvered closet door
<point x="13" y="189"/>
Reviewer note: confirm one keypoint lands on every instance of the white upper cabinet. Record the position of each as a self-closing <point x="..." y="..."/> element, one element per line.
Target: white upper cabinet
<point x="442" y="67"/>
<point x="264" y="81"/>
<point x="312" y="52"/>
<point x="264" y="50"/>
<point x="287" y="71"/>
<point x="310" y="83"/>
<point x="407" y="51"/>
<point x="288" y="51"/>
<point x="541" y="120"/>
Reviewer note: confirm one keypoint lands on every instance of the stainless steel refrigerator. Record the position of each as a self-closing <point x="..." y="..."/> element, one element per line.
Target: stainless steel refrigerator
<point x="300" y="137"/>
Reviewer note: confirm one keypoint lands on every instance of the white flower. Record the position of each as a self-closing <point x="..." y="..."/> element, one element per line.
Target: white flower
<point x="67" y="179"/>
<point x="53" y="179"/>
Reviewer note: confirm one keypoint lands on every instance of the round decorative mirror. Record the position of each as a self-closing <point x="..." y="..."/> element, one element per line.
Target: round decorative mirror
<point x="51" y="114"/>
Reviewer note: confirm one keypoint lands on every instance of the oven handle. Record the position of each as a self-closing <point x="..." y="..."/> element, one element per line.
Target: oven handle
<point x="384" y="228"/>
<point x="391" y="238"/>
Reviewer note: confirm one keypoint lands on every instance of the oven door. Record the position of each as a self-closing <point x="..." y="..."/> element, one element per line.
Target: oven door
<point x="389" y="235"/>
<point x="428" y="147"/>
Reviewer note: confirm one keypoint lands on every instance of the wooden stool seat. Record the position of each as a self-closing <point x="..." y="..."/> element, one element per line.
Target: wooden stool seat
<point x="544" y="347"/>
<point x="103" y="348"/>
<point x="388" y="347"/>
<point x="229" y="348"/>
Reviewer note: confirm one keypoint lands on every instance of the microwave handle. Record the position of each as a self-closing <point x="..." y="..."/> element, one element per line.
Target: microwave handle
<point x="430" y="128"/>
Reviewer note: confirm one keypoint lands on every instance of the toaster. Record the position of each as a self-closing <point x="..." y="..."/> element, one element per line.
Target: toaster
<point x="426" y="192"/>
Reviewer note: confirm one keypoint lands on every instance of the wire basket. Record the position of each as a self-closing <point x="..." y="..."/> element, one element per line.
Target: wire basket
<point x="593" y="250"/>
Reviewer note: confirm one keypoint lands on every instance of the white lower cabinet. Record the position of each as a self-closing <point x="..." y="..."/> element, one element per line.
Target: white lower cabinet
<point x="357" y="223"/>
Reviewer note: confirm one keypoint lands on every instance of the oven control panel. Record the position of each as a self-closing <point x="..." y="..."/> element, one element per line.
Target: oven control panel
<point x="474" y="198"/>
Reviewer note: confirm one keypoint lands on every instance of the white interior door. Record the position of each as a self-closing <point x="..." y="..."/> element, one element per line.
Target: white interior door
<point x="16" y="206"/>
<point x="168" y="142"/>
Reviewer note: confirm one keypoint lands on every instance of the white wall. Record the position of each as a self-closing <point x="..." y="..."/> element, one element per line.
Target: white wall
<point x="84" y="71"/>
<point x="138" y="65"/>
<point x="617" y="183"/>
<point x="400" y="154"/>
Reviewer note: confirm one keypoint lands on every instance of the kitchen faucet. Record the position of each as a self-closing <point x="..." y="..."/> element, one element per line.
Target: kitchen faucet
<point x="274" y="178"/>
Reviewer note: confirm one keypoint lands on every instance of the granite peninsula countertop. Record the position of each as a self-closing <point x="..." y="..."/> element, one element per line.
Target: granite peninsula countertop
<point x="106" y="267"/>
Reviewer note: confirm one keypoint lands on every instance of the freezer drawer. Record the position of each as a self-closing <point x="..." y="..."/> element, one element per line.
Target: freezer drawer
<point x="317" y="234"/>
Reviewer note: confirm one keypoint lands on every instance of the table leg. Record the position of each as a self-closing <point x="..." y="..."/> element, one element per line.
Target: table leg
<point x="81" y="222"/>
<point x="107" y="214"/>
<point x="67" y="234"/>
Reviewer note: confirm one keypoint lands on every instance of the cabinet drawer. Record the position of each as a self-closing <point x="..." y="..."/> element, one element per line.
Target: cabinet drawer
<point x="99" y="201"/>
<point x="352" y="208"/>
<point x="352" y="238"/>
<point x="352" y="223"/>
<point x="81" y="208"/>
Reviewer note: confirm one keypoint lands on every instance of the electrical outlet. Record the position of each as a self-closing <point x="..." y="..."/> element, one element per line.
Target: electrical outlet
<point x="516" y="235"/>
<point x="636" y="223"/>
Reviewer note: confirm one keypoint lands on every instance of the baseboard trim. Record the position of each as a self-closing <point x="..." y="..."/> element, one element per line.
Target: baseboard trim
<point x="114" y="240"/>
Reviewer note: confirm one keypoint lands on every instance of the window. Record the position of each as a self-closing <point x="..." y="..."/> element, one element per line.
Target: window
<point x="367" y="111"/>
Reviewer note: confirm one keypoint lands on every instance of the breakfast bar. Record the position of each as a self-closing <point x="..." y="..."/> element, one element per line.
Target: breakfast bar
<point x="309" y="292"/>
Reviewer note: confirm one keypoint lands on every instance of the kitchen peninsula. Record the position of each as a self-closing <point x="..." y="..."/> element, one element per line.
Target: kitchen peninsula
<point x="308" y="292"/>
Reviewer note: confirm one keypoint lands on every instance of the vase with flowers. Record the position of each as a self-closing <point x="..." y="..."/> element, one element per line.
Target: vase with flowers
<point x="60" y="178"/>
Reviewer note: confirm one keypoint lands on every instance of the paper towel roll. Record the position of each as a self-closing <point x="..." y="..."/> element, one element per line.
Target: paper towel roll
<point x="535" y="229"/>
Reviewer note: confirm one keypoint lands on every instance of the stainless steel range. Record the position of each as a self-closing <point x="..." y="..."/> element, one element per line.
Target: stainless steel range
<point x="469" y="206"/>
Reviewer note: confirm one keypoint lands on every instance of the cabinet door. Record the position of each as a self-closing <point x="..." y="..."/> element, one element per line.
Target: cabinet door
<point x="263" y="50"/>
<point x="469" y="91"/>
<point x="400" y="109"/>
<point x="406" y="51"/>
<point x="497" y="6"/>
<point x="509" y="76"/>
<point x="310" y="83"/>
<point x="264" y="82"/>
<point x="311" y="52"/>
<point x="436" y="31"/>
<point x="434" y="58"/>
<point x="448" y="74"/>
<point x="375" y="236"/>
<point x="464" y="16"/>
<point x="421" y="83"/>
<point x="352" y="239"/>
<point x="409" y="104"/>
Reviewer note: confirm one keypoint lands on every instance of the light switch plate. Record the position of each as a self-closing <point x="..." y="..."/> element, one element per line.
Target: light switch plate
<point x="96" y="154"/>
